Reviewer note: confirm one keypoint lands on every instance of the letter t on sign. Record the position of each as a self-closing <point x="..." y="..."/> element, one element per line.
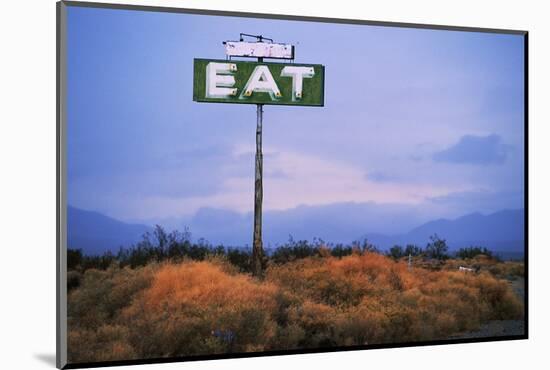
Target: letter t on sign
<point x="298" y="74"/>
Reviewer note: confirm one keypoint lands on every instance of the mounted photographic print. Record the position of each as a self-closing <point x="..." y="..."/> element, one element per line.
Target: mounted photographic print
<point x="235" y="185"/>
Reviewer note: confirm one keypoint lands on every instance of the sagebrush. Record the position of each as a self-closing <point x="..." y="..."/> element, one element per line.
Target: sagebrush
<point x="188" y="307"/>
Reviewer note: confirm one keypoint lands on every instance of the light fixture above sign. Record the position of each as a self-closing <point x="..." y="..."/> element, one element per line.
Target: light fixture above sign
<point x="258" y="49"/>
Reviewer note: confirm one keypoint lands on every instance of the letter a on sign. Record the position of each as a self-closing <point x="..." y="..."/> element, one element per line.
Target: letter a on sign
<point x="261" y="80"/>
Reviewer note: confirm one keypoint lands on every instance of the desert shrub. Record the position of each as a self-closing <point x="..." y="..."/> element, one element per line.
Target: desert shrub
<point x="239" y="258"/>
<point x="339" y="282"/>
<point x="514" y="269"/>
<point x="437" y="248"/>
<point x="185" y="307"/>
<point x="362" y="324"/>
<point x="453" y="294"/>
<point x="287" y="337"/>
<point x="498" y="295"/>
<point x="483" y="261"/>
<point x="324" y="251"/>
<point x="285" y="301"/>
<point x="471" y="252"/>
<point x="74" y="258"/>
<point x="503" y="270"/>
<point x="364" y="246"/>
<point x="418" y="304"/>
<point x="395" y="280"/>
<point x="289" y="333"/>
<point x="86" y="305"/>
<point x="413" y="250"/>
<point x="73" y="279"/>
<point x="293" y="250"/>
<point x="313" y="279"/>
<point x="102" y="294"/>
<point x="446" y="322"/>
<point x="507" y="270"/>
<point x="396" y="252"/>
<point x="317" y="322"/>
<point x="107" y="343"/>
<point x="340" y="251"/>
<point x="197" y="308"/>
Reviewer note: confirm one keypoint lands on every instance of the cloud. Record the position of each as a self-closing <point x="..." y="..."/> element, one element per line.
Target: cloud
<point x="416" y="157"/>
<point x="476" y="150"/>
<point x="276" y="174"/>
<point x="292" y="179"/>
<point x="383" y="177"/>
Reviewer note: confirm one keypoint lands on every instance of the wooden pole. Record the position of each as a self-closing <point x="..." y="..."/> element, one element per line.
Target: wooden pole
<point x="257" y="244"/>
<point x="257" y="249"/>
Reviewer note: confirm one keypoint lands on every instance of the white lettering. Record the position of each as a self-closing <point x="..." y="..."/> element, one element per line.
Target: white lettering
<point x="219" y="81"/>
<point x="298" y="74"/>
<point x="261" y="80"/>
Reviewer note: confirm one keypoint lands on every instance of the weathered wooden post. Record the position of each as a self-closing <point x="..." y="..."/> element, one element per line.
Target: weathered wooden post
<point x="257" y="246"/>
<point x="257" y="243"/>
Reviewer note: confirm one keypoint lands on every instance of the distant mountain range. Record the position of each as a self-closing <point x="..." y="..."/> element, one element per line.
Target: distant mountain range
<point x="95" y="233"/>
<point x="502" y="231"/>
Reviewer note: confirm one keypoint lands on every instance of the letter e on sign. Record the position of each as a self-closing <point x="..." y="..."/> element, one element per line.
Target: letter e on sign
<point x="219" y="81"/>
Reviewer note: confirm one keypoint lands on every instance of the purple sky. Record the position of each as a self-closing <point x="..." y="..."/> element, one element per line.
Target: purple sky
<point x="417" y="124"/>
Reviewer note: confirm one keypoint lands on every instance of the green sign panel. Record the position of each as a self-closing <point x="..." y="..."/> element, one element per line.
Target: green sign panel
<point x="227" y="81"/>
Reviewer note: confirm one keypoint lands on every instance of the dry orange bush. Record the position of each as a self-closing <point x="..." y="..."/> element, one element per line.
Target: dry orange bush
<point x="503" y="270"/>
<point x="197" y="308"/>
<point x="404" y="305"/>
<point x="106" y="343"/>
<point x="208" y="307"/>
